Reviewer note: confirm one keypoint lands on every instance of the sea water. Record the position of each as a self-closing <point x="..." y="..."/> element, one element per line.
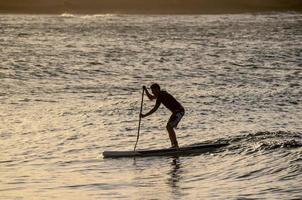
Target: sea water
<point x="71" y="88"/>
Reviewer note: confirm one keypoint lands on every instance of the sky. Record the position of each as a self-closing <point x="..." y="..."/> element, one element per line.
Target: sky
<point x="147" y="6"/>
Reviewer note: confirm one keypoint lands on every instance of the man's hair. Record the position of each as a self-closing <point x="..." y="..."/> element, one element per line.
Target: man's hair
<point x="155" y="86"/>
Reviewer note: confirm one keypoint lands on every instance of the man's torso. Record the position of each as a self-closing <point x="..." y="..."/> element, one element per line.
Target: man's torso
<point x="169" y="101"/>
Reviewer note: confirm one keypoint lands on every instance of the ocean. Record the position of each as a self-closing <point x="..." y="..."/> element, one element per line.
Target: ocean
<point x="71" y="88"/>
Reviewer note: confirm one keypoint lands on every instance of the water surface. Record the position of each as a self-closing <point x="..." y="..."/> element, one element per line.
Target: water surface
<point x="71" y="87"/>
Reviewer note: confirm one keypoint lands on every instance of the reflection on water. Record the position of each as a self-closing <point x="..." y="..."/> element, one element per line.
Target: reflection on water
<point x="174" y="178"/>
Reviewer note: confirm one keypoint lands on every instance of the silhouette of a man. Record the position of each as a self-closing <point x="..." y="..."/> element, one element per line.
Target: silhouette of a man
<point x="163" y="97"/>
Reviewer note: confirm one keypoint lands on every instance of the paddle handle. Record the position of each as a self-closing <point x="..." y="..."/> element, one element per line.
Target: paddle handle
<point x="140" y="119"/>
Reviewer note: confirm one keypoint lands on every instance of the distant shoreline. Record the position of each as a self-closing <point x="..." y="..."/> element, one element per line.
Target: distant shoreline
<point x="148" y="7"/>
<point x="144" y="14"/>
<point x="148" y="13"/>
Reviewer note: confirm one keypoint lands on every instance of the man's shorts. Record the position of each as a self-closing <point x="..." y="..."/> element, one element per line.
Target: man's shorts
<point x="175" y="118"/>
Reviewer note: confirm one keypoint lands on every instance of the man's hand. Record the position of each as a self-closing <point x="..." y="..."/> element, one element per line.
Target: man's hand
<point x="142" y="115"/>
<point x="144" y="87"/>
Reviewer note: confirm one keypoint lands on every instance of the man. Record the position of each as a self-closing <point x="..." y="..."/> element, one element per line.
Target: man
<point x="169" y="102"/>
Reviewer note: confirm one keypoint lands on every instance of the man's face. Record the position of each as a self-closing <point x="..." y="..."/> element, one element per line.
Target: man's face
<point x="155" y="91"/>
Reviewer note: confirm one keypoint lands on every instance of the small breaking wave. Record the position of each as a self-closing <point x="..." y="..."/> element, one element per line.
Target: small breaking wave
<point x="264" y="141"/>
<point x="278" y="144"/>
<point x="67" y="15"/>
<point x="98" y="16"/>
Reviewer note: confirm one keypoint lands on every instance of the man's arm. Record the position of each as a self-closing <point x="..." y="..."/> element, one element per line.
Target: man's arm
<point x="150" y="96"/>
<point x="152" y="110"/>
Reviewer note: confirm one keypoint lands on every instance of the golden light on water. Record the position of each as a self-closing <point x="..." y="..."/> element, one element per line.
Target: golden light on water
<point x="71" y="88"/>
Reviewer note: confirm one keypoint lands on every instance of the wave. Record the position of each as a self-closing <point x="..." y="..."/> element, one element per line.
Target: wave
<point x="99" y="16"/>
<point x="264" y="141"/>
<point x="260" y="141"/>
<point x="67" y="15"/>
<point x="278" y="144"/>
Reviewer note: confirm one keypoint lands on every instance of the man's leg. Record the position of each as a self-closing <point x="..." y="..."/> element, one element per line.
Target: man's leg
<point x="172" y="136"/>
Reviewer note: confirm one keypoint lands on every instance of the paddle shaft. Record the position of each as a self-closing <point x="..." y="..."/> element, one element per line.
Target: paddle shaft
<point x="140" y="119"/>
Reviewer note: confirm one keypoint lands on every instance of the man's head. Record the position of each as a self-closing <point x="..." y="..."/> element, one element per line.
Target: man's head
<point x="155" y="89"/>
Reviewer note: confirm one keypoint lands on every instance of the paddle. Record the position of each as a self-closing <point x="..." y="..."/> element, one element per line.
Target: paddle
<point x="140" y="119"/>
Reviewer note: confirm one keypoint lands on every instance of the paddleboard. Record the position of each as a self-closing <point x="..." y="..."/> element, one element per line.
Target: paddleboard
<point x="181" y="151"/>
